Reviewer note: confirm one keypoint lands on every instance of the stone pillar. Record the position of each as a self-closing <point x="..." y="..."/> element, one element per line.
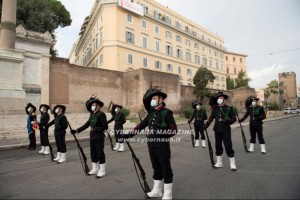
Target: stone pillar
<point x="8" y="24"/>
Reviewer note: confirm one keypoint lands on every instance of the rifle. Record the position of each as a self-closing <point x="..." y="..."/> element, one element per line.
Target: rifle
<point x="243" y="134"/>
<point x="137" y="163"/>
<point x="111" y="143"/>
<point x="192" y="136"/>
<point x="81" y="154"/>
<point x="211" y="153"/>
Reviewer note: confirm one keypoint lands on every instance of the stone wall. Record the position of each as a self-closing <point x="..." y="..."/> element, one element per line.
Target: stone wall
<point x="73" y="85"/>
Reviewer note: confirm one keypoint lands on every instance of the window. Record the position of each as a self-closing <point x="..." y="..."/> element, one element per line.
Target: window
<point x="179" y="53"/>
<point x="187" y="29"/>
<point x="145" y="42"/>
<point x="196" y="45"/>
<point x="209" y="51"/>
<point x="197" y="59"/>
<point x="188" y="42"/>
<point x="96" y="63"/>
<point x="144" y="24"/>
<point x="129" y="18"/>
<point x="188" y="56"/>
<point x="217" y="65"/>
<point x="222" y="67"/>
<point x="202" y="37"/>
<point x="241" y="60"/>
<point x="222" y="79"/>
<point x="178" y="25"/>
<point x="168" y="34"/>
<point x="210" y="63"/>
<point x="100" y="36"/>
<point x="189" y="72"/>
<point x="233" y="59"/>
<point x="216" y="54"/>
<point x="169" y="50"/>
<point x="145" y="62"/>
<point x="217" y="78"/>
<point x="157" y="64"/>
<point x="129" y="37"/>
<point x="226" y="58"/>
<point x="157" y="45"/>
<point x="205" y="62"/>
<point x="208" y="40"/>
<point x="130" y="59"/>
<point x="156" y="14"/>
<point x="178" y="38"/>
<point x="234" y="70"/>
<point x="101" y="59"/>
<point x="179" y="70"/>
<point x="227" y="70"/>
<point x="203" y="48"/>
<point x="157" y="29"/>
<point x="169" y="68"/>
<point x="221" y="56"/>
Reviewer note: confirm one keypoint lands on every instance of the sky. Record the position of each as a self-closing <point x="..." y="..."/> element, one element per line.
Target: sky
<point x="268" y="31"/>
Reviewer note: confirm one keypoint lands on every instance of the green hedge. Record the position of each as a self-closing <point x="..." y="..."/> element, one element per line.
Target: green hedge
<point x="187" y="113"/>
<point x="125" y="111"/>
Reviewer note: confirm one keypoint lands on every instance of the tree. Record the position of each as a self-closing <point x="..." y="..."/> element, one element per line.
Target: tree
<point x="42" y="15"/>
<point x="242" y="80"/>
<point x="202" y="78"/>
<point x="273" y="87"/>
<point x="229" y="83"/>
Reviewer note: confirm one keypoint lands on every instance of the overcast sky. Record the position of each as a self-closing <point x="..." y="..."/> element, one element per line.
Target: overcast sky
<point x="268" y="31"/>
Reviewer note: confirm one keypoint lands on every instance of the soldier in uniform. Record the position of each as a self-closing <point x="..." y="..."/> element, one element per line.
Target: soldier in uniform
<point x="199" y="115"/>
<point x="31" y="118"/>
<point x="162" y="126"/>
<point x="60" y="125"/>
<point x="44" y="132"/>
<point x="257" y="114"/>
<point x="119" y="119"/>
<point x="224" y="116"/>
<point x="98" y="124"/>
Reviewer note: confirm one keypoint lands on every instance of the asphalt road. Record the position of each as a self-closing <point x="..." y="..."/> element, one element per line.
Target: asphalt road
<point x="276" y="175"/>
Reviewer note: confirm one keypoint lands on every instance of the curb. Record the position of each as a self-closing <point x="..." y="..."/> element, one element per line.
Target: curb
<point x="17" y="146"/>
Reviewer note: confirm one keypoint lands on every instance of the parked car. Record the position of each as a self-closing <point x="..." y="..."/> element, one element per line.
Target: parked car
<point x="294" y="111"/>
<point x="287" y="111"/>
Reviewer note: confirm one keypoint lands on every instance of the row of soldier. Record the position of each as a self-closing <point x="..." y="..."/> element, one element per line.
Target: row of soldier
<point x="159" y="118"/>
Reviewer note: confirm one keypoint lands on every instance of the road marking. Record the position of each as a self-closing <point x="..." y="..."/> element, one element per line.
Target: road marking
<point x="31" y="161"/>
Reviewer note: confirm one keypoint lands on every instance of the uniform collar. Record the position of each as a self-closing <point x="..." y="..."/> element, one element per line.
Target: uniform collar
<point x="159" y="108"/>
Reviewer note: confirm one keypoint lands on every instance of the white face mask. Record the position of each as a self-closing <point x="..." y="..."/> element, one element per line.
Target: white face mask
<point x="198" y="107"/>
<point x="56" y="110"/>
<point x="253" y="103"/>
<point x="93" y="108"/>
<point x="42" y="110"/>
<point x="154" y="103"/>
<point x="28" y="109"/>
<point x="117" y="110"/>
<point x="220" y="101"/>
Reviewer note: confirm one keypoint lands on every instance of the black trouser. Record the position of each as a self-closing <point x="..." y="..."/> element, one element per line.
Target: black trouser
<point x="201" y="130"/>
<point x="160" y="159"/>
<point x="61" y="142"/>
<point x="226" y="138"/>
<point x="256" y="128"/>
<point x="44" y="137"/>
<point x="97" y="151"/>
<point x="118" y="135"/>
<point x="32" y="140"/>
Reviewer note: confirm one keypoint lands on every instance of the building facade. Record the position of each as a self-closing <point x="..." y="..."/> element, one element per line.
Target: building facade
<point x="127" y="35"/>
<point x="288" y="88"/>
<point x="234" y="63"/>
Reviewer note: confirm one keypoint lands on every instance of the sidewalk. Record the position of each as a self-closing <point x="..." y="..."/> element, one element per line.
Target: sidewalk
<point x="20" y="138"/>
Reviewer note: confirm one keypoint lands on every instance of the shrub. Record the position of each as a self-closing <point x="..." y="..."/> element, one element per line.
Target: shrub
<point x="273" y="106"/>
<point x="125" y="111"/>
<point x="187" y="112"/>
